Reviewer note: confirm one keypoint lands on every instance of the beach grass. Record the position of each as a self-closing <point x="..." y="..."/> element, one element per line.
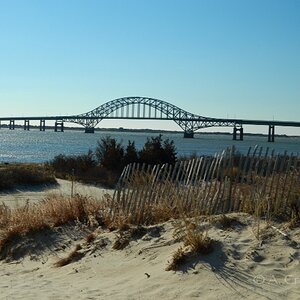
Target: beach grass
<point x="15" y="175"/>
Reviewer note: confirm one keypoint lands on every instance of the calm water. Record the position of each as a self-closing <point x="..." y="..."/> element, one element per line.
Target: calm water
<point x="35" y="146"/>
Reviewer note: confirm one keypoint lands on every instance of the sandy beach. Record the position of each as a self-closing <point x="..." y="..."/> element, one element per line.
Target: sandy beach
<point x="241" y="266"/>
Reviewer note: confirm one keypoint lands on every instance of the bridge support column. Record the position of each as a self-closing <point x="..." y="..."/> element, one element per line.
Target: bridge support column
<point x="271" y="135"/>
<point x="12" y="124"/>
<point x="42" y="125"/>
<point x="188" y="134"/>
<point x="241" y="134"/>
<point x="59" y="125"/>
<point x="89" y="130"/>
<point x="237" y="131"/>
<point x="26" y="125"/>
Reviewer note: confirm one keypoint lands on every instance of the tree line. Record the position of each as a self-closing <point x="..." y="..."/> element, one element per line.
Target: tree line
<point x="105" y="164"/>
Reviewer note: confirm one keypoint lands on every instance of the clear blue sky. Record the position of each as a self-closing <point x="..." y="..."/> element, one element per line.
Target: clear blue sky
<point x="232" y="58"/>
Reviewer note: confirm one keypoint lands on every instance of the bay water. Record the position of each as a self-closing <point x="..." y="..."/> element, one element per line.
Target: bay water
<point x="36" y="146"/>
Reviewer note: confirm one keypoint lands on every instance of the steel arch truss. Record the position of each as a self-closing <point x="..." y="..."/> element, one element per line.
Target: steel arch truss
<point x="146" y="108"/>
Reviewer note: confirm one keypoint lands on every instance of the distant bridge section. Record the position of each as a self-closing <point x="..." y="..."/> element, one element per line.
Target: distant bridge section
<point x="144" y="108"/>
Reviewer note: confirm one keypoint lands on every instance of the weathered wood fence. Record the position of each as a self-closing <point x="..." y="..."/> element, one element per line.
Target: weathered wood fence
<point x="223" y="183"/>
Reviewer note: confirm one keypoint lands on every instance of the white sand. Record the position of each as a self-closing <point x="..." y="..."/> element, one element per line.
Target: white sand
<point x="241" y="266"/>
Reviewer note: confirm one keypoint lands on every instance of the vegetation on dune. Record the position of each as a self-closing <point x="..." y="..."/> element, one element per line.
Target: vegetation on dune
<point x="50" y="213"/>
<point x="13" y="175"/>
<point x="105" y="164"/>
<point x="180" y="191"/>
<point x="19" y="223"/>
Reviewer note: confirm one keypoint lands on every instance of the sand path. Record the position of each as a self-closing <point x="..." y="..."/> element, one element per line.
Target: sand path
<point x="25" y="194"/>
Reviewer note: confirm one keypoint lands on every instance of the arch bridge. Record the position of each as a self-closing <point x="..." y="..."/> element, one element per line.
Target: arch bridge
<point x="144" y="108"/>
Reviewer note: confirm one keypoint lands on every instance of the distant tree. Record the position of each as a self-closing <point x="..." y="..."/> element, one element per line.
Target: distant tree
<point x="131" y="154"/>
<point x="155" y="151"/>
<point x="169" y="152"/>
<point x="110" y="153"/>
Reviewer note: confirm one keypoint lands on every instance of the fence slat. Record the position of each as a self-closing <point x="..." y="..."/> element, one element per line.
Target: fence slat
<point x="223" y="183"/>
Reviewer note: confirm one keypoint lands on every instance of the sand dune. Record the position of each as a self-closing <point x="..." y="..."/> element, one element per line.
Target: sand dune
<point x="23" y="194"/>
<point x="243" y="265"/>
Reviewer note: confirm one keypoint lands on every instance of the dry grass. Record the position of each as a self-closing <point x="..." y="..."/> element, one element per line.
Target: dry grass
<point x="178" y="259"/>
<point x="145" y="198"/>
<point x="49" y="213"/>
<point x="123" y="238"/>
<point x="90" y="237"/>
<point x="195" y="240"/>
<point x="262" y="186"/>
<point x="199" y="242"/>
<point x="122" y="241"/>
<point x="225" y="221"/>
<point x="73" y="256"/>
<point x="14" y="175"/>
<point x="195" y="243"/>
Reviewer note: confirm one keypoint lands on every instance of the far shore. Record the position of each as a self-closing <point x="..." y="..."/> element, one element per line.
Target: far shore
<point x="155" y="131"/>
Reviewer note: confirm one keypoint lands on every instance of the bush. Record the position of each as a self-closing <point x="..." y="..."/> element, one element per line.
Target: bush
<point x="131" y="154"/>
<point x="110" y="157"/>
<point x="110" y="153"/>
<point x="73" y="164"/>
<point x="83" y="168"/>
<point x="155" y="151"/>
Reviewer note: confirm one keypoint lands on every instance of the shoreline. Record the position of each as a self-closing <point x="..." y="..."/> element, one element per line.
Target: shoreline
<point x="154" y="131"/>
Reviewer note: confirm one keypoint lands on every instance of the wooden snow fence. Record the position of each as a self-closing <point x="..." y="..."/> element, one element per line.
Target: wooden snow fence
<point x="223" y="183"/>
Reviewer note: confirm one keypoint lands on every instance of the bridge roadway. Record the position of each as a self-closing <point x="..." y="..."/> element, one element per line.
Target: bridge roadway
<point x="142" y="108"/>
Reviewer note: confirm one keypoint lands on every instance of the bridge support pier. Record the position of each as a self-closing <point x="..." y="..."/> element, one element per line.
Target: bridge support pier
<point x="89" y="130"/>
<point x="188" y="134"/>
<point x="26" y="124"/>
<point x="59" y="125"/>
<point x="271" y="134"/>
<point x="12" y="124"/>
<point x="42" y="125"/>
<point x="237" y="131"/>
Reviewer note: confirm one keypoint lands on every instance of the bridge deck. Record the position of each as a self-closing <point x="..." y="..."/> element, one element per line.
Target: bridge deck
<point x="208" y="120"/>
<point x="145" y="108"/>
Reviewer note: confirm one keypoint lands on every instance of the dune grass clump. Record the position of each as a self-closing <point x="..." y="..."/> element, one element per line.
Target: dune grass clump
<point x="73" y="256"/>
<point x="178" y="259"/>
<point x="15" y="175"/>
<point x="90" y="237"/>
<point x="124" y="236"/>
<point x="199" y="242"/>
<point x="52" y="212"/>
<point x="122" y="241"/>
<point x="195" y="244"/>
<point x="224" y="221"/>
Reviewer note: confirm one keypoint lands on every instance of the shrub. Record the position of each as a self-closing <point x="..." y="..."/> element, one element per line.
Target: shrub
<point x="155" y="151"/>
<point x="73" y="164"/>
<point x="131" y="154"/>
<point x="110" y="157"/>
<point x="110" y="153"/>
